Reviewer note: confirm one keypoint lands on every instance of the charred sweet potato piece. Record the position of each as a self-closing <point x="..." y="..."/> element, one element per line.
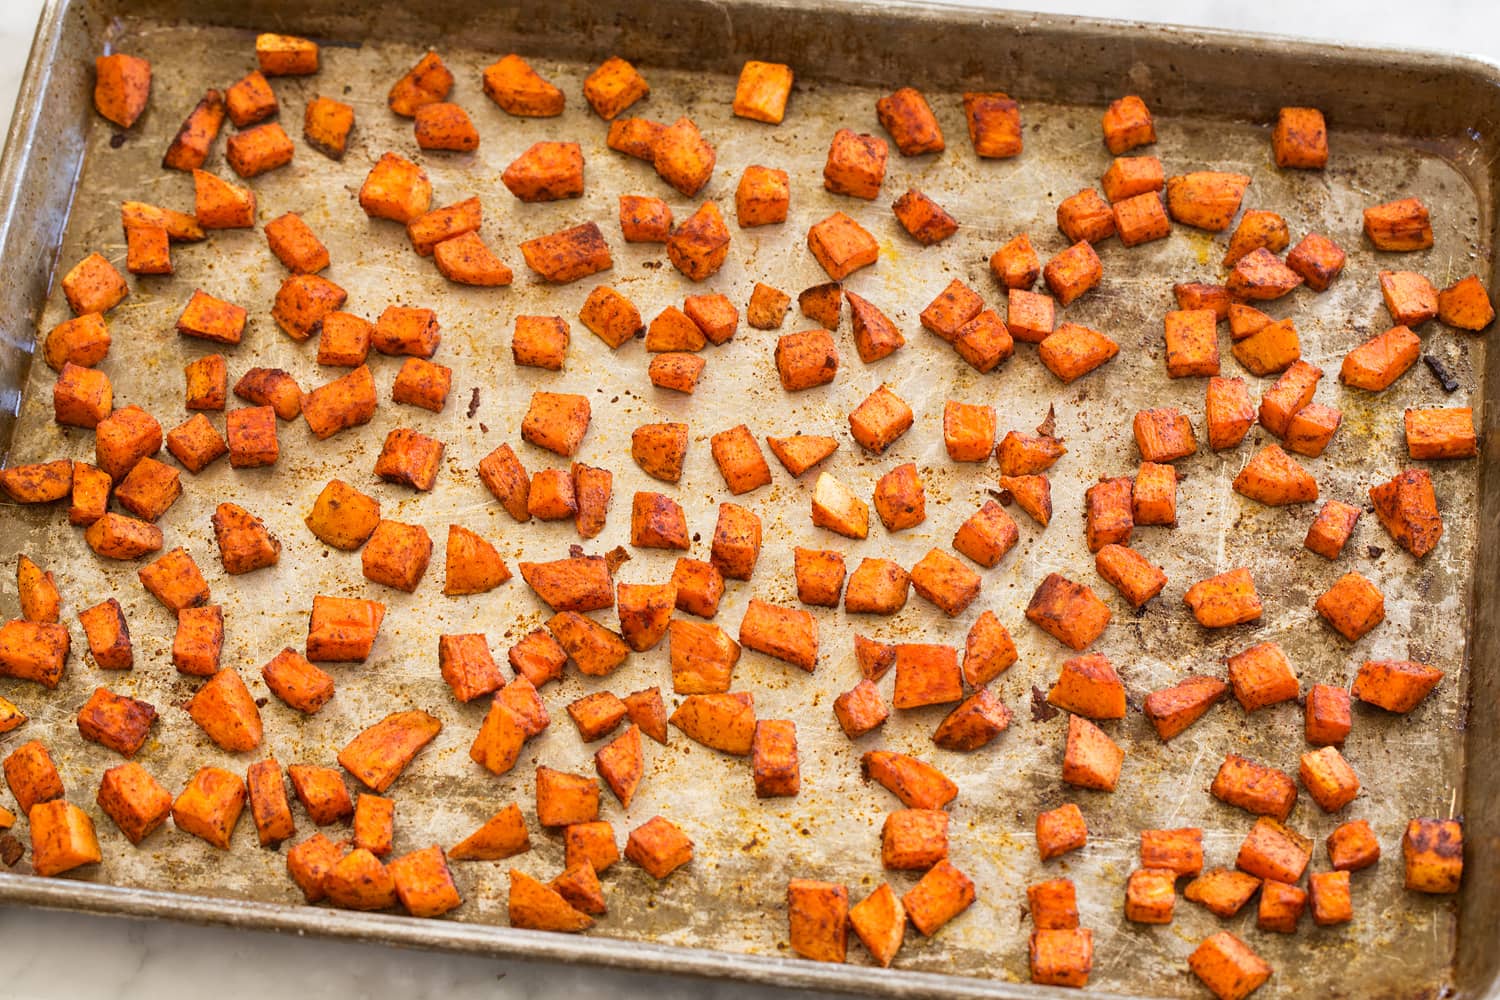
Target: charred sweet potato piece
<point x="1353" y="846"/>
<point x="580" y="583"/>
<point x="1255" y="788"/>
<point x="1261" y="276"/>
<point x="108" y="635"/>
<point x="1318" y="260"/>
<point x="1399" y="225"/>
<point x="657" y="522"/>
<point x="1433" y="850"/>
<point x="568" y="254"/>
<point x="137" y="803"/>
<point x="1281" y="907"/>
<point x="874" y="659"/>
<point x="1407" y="507"/>
<point x="923" y="219"/>
<point x="342" y="629"/>
<point x="326" y="125"/>
<point x="1069" y="612"/>
<point x="645" y="610"/>
<point x="974" y="723"/>
<point x="900" y="499"/>
<point x="1171" y="710"/>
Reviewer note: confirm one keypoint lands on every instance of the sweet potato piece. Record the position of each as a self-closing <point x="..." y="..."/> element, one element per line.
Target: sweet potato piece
<point x="580" y="583"/>
<point x="296" y="245"/>
<point x="251" y="436"/>
<point x="942" y="894"/>
<point x="1441" y="433"/>
<point x="326" y="125"/>
<point x="32" y="776"/>
<point x="1281" y="907"/>
<point x="210" y="806"/>
<point x="1198" y="295"/>
<point x="820" y="576"/>
<point x="199" y="640"/>
<point x="1318" y="260"/>
<point x="1108" y="513"/>
<point x="293" y="679"/>
<point x="1130" y="176"/>
<point x="657" y="522"/>
<point x="917" y="784"/>
<point x="874" y="659"/>
<point x="535" y="906"/>
<point x="596" y="715"/>
<point x="342" y="629"/>
<point x="302" y="301"/>
<point x="1179" y="851"/>
<point x="1222" y="891"/>
<point x="1257" y="229"/>
<point x="395" y="189"/>
<point x="423" y="883"/>
<point x="1293" y="391"/>
<point x="855" y="165"/>
<point x="877" y="586"/>
<point x="343" y="516"/>
<point x="1171" y="710"/>
<point x="1224" y="600"/>
<point x="1399" y="225"/>
<point x="147" y="250"/>
<point x="1085" y="216"/>
<point x="1227" y="966"/>
<point x="310" y="862"/>
<point x="81" y="397"/>
<point x="1394" y="685"/>
<point x="1025" y="454"/>
<point x="123" y="438"/>
<point x="519" y="90"/>
<point x="379" y="754"/>
<point x="1127" y="124"/>
<point x="218" y="204"/>
<point x="1272" y="348"/>
<point x="1328" y="720"/>
<point x="1300" y="139"/>
<point x="594" y="649"/>
<point x="360" y="882"/>
<point x="914" y="839"/>
<point x="1015" y="265"/>
<point x="1312" y="428"/>
<point x="946" y="582"/>
<point x="954" y="307"/>
<point x="899" y="498"/>
<point x="257" y="150"/>
<point x="788" y="634"/>
<point x="1353" y="606"/>
<point x="122" y="86"/>
<point x="1153" y="497"/>
<point x="761" y="199"/>
<point x="1409" y="297"/>
<point x="923" y="219"/>
<point x="1353" y="846"/>
<point x="90" y="491"/>
<point x="987" y="535"/>
<point x="465" y="260"/>
<point x="563" y="799"/>
<point x="1072" y="351"/>
<point x="1433" y="850"/>
<point x="1275" y="479"/>
<point x="1328" y="778"/>
<point x="974" y="723"/>
<point x="737" y="539"/>
<point x="1091" y="759"/>
<point x="1140" y="219"/>
<point x="723" y="721"/>
<point x="1059" y="831"/>
<point x="428" y="229"/>
<point x="1150" y="894"/>
<point x="115" y="536"/>
<point x="406" y="331"/>
<point x="1255" y="788"/>
<point x="1163" y="435"/>
<point x="497" y="745"/>
<point x="556" y="421"/>
<point x="1089" y="686"/>
<point x="224" y="709"/>
<point x="39" y="599"/>
<point x="1062" y="957"/>
<point x="702" y="657"/>
<point x="1465" y="305"/>
<point x="1192" y="342"/>
<point x="1206" y="199"/>
<point x="83" y="341"/>
<point x="823" y="303"/>
<point x="913" y="127"/>
<point x="444" y="126"/>
<point x="926" y="674"/>
<point x="1069" y="612"/>
<point x="62" y="838"/>
<point x="1329" y="894"/>
<point x="271" y="387"/>
<point x="427" y="82"/>
<point x="841" y="245"/>
<point x="94" y="286"/>
<point x="210" y="318"/>
<point x="175" y="580"/>
<point x="1273" y="851"/>
<point x="374" y="827"/>
<point x="774" y="757"/>
<point x="1261" y="276"/>
<point x="545" y="171"/>
<point x="108" y="635"/>
<point x="137" y="803"/>
<point x="396" y="555"/>
<point x="245" y="544"/>
<point x="685" y="160"/>
<point x="1130" y="573"/>
<point x="645" y="610"/>
<point x="1262" y="676"/>
<point x="1407" y="507"/>
<point x="860" y="710"/>
<point x="322" y="793"/>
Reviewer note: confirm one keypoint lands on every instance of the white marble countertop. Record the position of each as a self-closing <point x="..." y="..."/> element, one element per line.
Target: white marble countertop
<point x="64" y="956"/>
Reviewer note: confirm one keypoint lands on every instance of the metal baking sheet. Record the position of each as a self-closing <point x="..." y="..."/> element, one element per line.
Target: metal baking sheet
<point x="724" y="915"/>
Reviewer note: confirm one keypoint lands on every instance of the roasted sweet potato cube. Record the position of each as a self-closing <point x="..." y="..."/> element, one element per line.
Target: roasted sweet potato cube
<point x="1108" y="513"/>
<point x="914" y="839"/>
<point x="430" y="229"/>
<point x="945" y="581"/>
<point x="1328" y="721"/>
<point x="1089" y="686"/>
<point x="942" y="894"/>
<point x="519" y="90"/>
<point x="1257" y="228"/>
<point x="1206" y="199"/>
<point x="115" y="536"/>
<point x="1409" y="297"/>
<point x="676" y="370"/>
<point x="762" y="91"/>
<point x="1091" y="759"/>
<point x="984" y="341"/>
<point x="271" y="387"/>
<point x="310" y="862"/>
<point x="224" y="709"/>
<point x="1150" y="895"/>
<point x="175" y="580"/>
<point x="788" y="634"/>
<point x="379" y="754"/>
<point x="444" y="126"/>
<point x="645" y="611"/>
<point x="37" y="590"/>
<point x="773" y="752"/>
<point x="322" y="792"/>
<point x="1227" y="967"/>
<point x="122" y="86"/>
<point x="703" y="656"/>
<point x="1328" y="892"/>
<point x="123" y="438"/>
<point x="973" y="724"/>
<point x="860" y="710"/>
<point x="923" y="219"/>
<point x="545" y="171"/>
<point x="1127" y="124"/>
<point x="760" y="199"/>
<point x="250" y="433"/>
<point x="877" y="586"/>
<point x="1433" y="850"/>
<point x="32" y="776"/>
<point x="302" y="301"/>
<point x="423" y="883"/>
<point x="1140" y="219"/>
<point x="1262" y="676"/>
<point x="83" y="341"/>
<point x="89" y="494"/>
<point x="657" y="522"/>
<point x="1130" y="176"/>
<point x="913" y="127"/>
<point x="841" y="245"/>
<point x="148" y="250"/>
<point x="296" y="245"/>
<point x="818" y="919"/>
<point x="326" y="125"/>
<point x="594" y="649"/>
<point x="1062" y="957"/>
<point x="1130" y="573"/>
<point x="199" y="640"/>
<point x="1163" y="435"/>
<point x="737" y="542"/>
<point x="556" y="421"/>
<point x="1153" y="497"/>
<point x="1179" y="851"/>
<point x="535" y="906"/>
<point x="900" y="499"/>
<point x="1441" y="433"/>
<point x="820" y="576"/>
<point x="1024" y="454"/>
<point x="1085" y="216"/>
<point x="880" y="419"/>
<point x="1300" y="139"/>
<point x="1273" y="851"/>
<point x="1261" y="276"/>
<point x="994" y="122"/>
<point x="1222" y="891"/>
<point x="987" y="535"/>
<point x="108" y="635"/>
<point x="343" y="516"/>
<point x="1192" y="342"/>
<point x="1328" y="778"/>
<point x="1224" y="600"/>
<point x="823" y="303"/>
<point x="81" y="397"/>
<point x="1255" y="788"/>
<point x="1407" y="507"/>
<point x="1465" y="305"/>
<point x="699" y="247"/>
<point x="954" y="306"/>
<point x="210" y="806"/>
<point x="538" y="658"/>
<point x="218" y="204"/>
<point x="1281" y="907"/>
<point x="635" y="137"/>
<point x="395" y="189"/>
<point x="1272" y="348"/>
<point x="806" y="360"/>
<point x="293" y="679"/>
<point x="358" y="881"/>
<point x="427" y="82"/>
<point x="1171" y="710"/>
<point x="1312" y="428"/>
<point x="497" y="745"/>
<point x="917" y="784"/>
<point x="684" y="159"/>
<point x="1059" y="831"/>
<point x="926" y="674"/>
<point x="1352" y="606"/>
<point x="257" y="150"/>
<point x="1399" y="225"/>
<point x="1015" y="265"/>
<point x="1228" y="412"/>
<point x="621" y="764"/>
<point x="578" y="583"/>
<point x="342" y="629"/>
<point x="659" y="846"/>
<point x="94" y="286"/>
<point x="62" y="838"/>
<point x="396" y="555"/>
<point x="137" y="803"/>
<point x="1353" y="846"/>
<point x="1069" y="612"/>
<point x="1318" y="260"/>
<point x="1394" y="685"/>
<point x="1072" y="351"/>
<point x="1199" y="295"/>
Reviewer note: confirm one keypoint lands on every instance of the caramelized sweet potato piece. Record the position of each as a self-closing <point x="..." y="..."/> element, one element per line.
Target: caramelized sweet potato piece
<point x="1433" y="850"/>
<point x="1399" y="225"/>
<point x="1069" y="612"/>
<point x="1171" y="710"/>
<point x="917" y="784"/>
<point x="1406" y="506"/>
<point x="379" y="754"/>
<point x="1394" y="685"/>
<point x="1224" y="600"/>
<point x="1227" y="967"/>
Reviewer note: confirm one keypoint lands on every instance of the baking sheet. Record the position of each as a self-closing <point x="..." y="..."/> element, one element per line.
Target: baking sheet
<point x="731" y="898"/>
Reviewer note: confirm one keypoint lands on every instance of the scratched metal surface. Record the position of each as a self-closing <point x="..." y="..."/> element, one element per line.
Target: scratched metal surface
<point x="731" y="898"/>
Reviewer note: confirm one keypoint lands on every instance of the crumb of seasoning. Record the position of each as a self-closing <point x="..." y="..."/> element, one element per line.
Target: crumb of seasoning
<point x="1374" y="552"/>
<point x="117" y="140"/>
<point x="483" y="429"/>
<point x="474" y="403"/>
<point x="1040" y="710"/>
<point x="262" y="702"/>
